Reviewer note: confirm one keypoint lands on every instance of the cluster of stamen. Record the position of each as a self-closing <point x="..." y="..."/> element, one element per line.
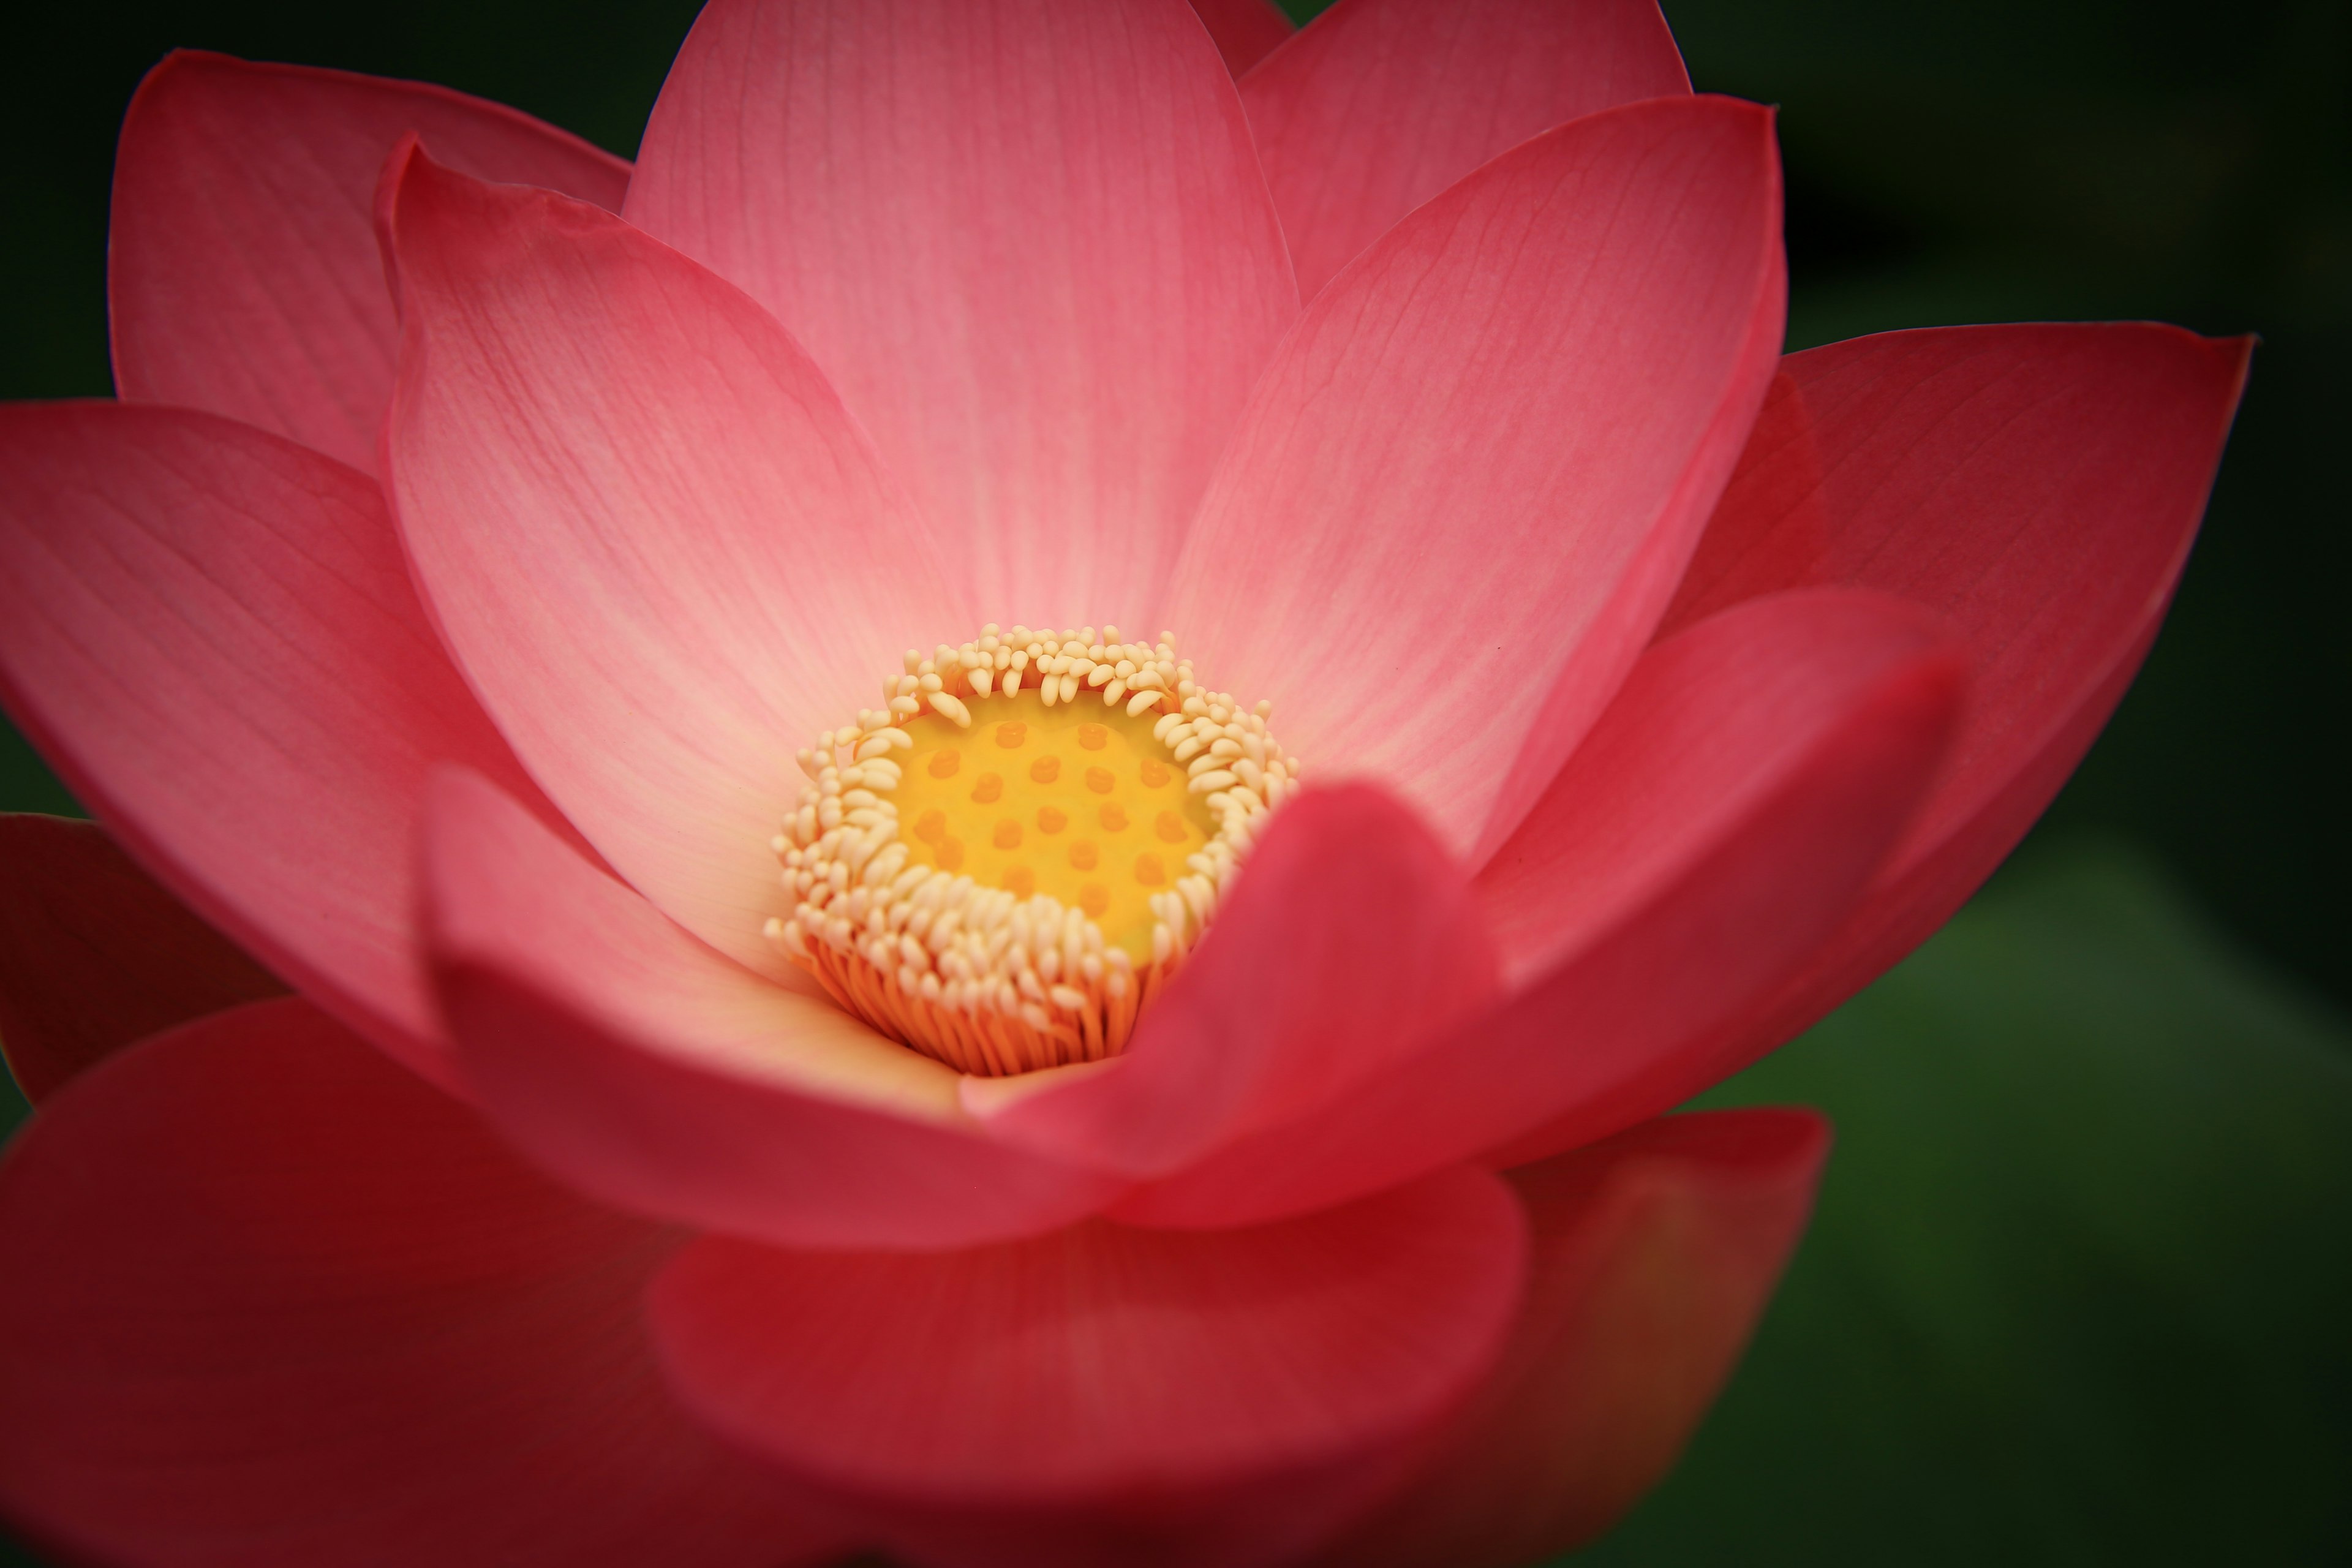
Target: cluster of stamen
<point x="944" y="940"/>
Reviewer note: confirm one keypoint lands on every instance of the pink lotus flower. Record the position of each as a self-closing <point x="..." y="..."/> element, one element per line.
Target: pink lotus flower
<point x="443" y="608"/>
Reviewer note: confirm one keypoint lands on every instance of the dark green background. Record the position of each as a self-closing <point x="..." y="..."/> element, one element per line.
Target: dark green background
<point x="2077" y="1289"/>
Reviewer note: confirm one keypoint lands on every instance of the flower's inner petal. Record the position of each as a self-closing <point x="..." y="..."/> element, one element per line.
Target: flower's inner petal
<point x="1006" y="862"/>
<point x="654" y="1074"/>
<point x="655" y="540"/>
<point x="1029" y="240"/>
<point x="242" y="275"/>
<point x="1382" y="104"/>
<point x="1463" y="491"/>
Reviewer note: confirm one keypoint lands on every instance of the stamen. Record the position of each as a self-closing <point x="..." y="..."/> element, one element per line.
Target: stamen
<point x="1063" y="857"/>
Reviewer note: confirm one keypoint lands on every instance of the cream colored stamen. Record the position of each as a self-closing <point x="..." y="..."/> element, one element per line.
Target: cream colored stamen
<point x="1002" y="874"/>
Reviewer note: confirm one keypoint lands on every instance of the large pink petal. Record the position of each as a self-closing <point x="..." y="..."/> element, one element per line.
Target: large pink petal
<point x="242" y="272"/>
<point x="1723" y="818"/>
<point x="2039" y="486"/>
<point x="273" y="1302"/>
<point x="1380" y="104"/>
<point x="210" y="632"/>
<point x="1029" y="241"/>
<point x="1244" y="31"/>
<point x="650" y="1071"/>
<point x="660" y="549"/>
<point x="94" y="954"/>
<point x="1655" y="1254"/>
<point x="1464" y="492"/>
<point x="1351" y="939"/>
<point x="1102" y="1394"/>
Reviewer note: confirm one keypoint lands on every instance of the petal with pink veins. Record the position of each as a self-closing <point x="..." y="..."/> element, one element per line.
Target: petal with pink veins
<point x="2037" y="486"/>
<point x="651" y="1072"/>
<point x="1351" y="939"/>
<point x="1244" y="31"/>
<point x="272" y="1302"/>
<point x="656" y="543"/>
<point x="1028" y="240"/>
<point x="1653" y="1255"/>
<point x="1725" y="814"/>
<point x="1103" y="1394"/>
<point x="209" y="631"/>
<point x="1463" y="493"/>
<point x="1380" y="104"/>
<point x="242" y="272"/>
<point x="94" y="954"/>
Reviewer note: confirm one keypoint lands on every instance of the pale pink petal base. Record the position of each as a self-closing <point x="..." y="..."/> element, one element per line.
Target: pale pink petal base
<point x="1723" y="818"/>
<point x="94" y="954"/>
<point x="1028" y="240"/>
<point x="659" y="548"/>
<point x="210" y="633"/>
<point x="1380" y="104"/>
<point x="1463" y="491"/>
<point x="650" y="1071"/>
<point x="1105" y="1395"/>
<point x="242" y="273"/>
<point x="273" y="1302"/>
<point x="1655" y="1255"/>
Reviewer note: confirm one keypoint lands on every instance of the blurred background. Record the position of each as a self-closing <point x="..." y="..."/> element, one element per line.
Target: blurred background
<point x="2079" y="1285"/>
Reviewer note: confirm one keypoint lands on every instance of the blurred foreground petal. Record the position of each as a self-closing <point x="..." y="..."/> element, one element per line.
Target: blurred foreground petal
<point x="272" y="1302"/>
<point x="95" y="955"/>
<point x="1655" y="1254"/>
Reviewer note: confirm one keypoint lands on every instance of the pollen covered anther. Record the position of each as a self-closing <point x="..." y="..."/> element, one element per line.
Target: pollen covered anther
<point x="980" y="935"/>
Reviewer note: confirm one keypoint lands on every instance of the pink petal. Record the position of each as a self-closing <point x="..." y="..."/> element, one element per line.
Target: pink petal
<point x="210" y="632"/>
<point x="659" y="548"/>
<point x="241" y="270"/>
<point x="1725" y="814"/>
<point x="1465" y="490"/>
<point x="1105" y="1394"/>
<point x="2038" y="488"/>
<point x="273" y="1302"/>
<point x="1382" y="104"/>
<point x="1655" y="1254"/>
<point x="1029" y="241"/>
<point x="1350" y="940"/>
<point x="650" y="1072"/>
<point x="1244" y="31"/>
<point x="94" y="955"/>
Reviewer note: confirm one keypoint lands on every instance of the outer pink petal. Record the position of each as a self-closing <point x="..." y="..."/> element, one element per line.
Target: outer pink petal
<point x="1244" y="31"/>
<point x="661" y="551"/>
<point x="1029" y="241"/>
<point x="94" y="955"/>
<point x="2039" y="486"/>
<point x="1724" y="816"/>
<point x="1465" y="490"/>
<point x="1655" y="1255"/>
<point x="1351" y="940"/>
<point x="273" y="1302"/>
<point x="1105" y="1395"/>
<point x="651" y="1072"/>
<point x="241" y="266"/>
<point x="209" y="631"/>
<point x="1382" y="104"/>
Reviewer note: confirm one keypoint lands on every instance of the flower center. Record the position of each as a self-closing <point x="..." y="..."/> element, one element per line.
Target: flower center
<point x="1004" y="864"/>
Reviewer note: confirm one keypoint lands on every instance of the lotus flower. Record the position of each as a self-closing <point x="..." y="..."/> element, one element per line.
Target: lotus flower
<point x="1069" y="1112"/>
